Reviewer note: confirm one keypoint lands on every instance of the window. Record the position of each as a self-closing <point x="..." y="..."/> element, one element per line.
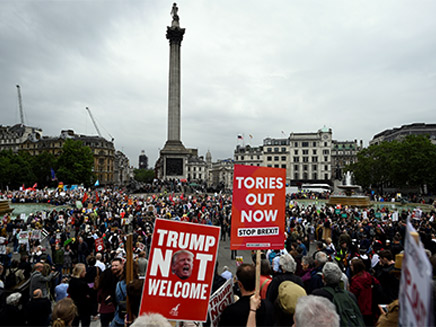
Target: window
<point x="296" y="159"/>
<point x="242" y="157"/>
<point x="199" y="176"/>
<point x="276" y="158"/>
<point x="296" y="176"/>
<point x="314" y="159"/>
<point x="296" y="144"/>
<point x="314" y="144"/>
<point x="269" y="165"/>
<point x="296" y="167"/>
<point x="305" y="152"/>
<point x="268" y="149"/>
<point x="284" y="166"/>
<point x="276" y="149"/>
<point x="193" y="170"/>
<point x="283" y="149"/>
<point x="276" y="166"/>
<point x="304" y="144"/>
<point x="189" y="168"/>
<point x="305" y="167"/>
<point x="325" y="151"/>
<point x="258" y="157"/>
<point x="315" y="167"/>
<point x="314" y="151"/>
<point x="326" y="158"/>
<point x="305" y="176"/>
<point x="326" y="143"/>
<point x="296" y="152"/>
<point x="326" y="167"/>
<point x="283" y="158"/>
<point x="305" y="159"/>
<point x="269" y="158"/>
<point x="251" y="157"/>
<point x="314" y="176"/>
<point x="326" y="176"/>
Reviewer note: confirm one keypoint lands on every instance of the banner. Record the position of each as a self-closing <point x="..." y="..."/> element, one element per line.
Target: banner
<point x="180" y="270"/>
<point x="258" y="210"/>
<point x="222" y="298"/>
<point x="416" y="283"/>
<point x="99" y="244"/>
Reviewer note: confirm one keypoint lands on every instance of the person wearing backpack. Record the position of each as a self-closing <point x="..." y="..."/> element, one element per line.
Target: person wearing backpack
<point x="345" y="301"/>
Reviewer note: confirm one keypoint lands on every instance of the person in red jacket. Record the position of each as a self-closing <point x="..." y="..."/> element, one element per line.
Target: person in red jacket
<point x="361" y="287"/>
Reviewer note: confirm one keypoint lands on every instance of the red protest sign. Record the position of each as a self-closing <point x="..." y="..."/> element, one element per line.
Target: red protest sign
<point x="99" y="244"/>
<point x="258" y="209"/>
<point x="219" y="301"/>
<point x="180" y="270"/>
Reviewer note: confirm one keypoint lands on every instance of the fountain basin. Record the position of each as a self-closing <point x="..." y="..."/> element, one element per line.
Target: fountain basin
<point x="352" y="200"/>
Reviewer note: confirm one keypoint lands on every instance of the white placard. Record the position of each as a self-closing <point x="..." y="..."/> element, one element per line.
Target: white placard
<point x="416" y="284"/>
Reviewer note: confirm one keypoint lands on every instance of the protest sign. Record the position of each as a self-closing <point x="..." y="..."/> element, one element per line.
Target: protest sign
<point x="416" y="277"/>
<point x="23" y="236"/>
<point x="99" y="244"/>
<point x="219" y="301"/>
<point x="258" y="211"/>
<point x="180" y="270"/>
<point x="36" y="234"/>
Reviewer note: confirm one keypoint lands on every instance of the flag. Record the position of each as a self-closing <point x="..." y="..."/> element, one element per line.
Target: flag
<point x="97" y="183"/>
<point x="240" y="137"/>
<point x="53" y="175"/>
<point x="85" y="197"/>
<point x="97" y="198"/>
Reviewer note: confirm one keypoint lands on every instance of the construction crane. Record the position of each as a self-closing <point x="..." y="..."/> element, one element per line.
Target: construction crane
<point x="95" y="125"/>
<point x="93" y="121"/>
<point x="20" y="105"/>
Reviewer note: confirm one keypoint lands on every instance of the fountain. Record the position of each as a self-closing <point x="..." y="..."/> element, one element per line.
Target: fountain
<point x="350" y="198"/>
<point x="4" y="206"/>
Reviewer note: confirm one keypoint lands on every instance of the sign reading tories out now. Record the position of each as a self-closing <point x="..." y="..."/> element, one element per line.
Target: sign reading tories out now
<point x="180" y="270"/>
<point x="258" y="209"/>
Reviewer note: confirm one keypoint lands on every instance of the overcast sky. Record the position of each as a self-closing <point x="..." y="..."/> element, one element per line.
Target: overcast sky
<point x="248" y="67"/>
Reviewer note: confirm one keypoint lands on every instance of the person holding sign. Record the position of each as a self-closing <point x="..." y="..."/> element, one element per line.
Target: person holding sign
<point x="182" y="264"/>
<point x="237" y="313"/>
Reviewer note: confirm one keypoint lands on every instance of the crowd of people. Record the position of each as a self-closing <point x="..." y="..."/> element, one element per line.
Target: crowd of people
<point x="74" y="256"/>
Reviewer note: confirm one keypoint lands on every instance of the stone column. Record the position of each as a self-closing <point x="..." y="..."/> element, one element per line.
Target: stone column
<point x="175" y="36"/>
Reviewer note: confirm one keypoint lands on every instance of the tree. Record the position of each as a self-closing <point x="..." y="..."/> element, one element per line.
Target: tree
<point x="143" y="175"/>
<point x="15" y="170"/>
<point x="42" y="165"/>
<point x="75" y="164"/>
<point x="407" y="163"/>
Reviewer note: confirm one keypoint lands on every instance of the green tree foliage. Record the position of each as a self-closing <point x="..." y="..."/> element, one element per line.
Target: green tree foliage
<point x="74" y="165"/>
<point x="41" y="165"/>
<point x="143" y="175"/>
<point x="15" y="170"/>
<point x="409" y="163"/>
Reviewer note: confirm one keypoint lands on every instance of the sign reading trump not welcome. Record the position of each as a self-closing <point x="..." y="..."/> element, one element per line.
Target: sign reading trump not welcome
<point x="180" y="270"/>
<point x="258" y="209"/>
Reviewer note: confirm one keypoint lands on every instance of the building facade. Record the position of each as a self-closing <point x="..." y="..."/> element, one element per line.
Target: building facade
<point x="307" y="157"/>
<point x="143" y="161"/>
<point x="344" y="153"/>
<point x="30" y="140"/>
<point x="399" y="133"/>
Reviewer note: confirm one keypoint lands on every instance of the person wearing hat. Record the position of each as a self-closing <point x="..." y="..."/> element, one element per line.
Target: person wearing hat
<point x="288" y="267"/>
<point x="284" y="307"/>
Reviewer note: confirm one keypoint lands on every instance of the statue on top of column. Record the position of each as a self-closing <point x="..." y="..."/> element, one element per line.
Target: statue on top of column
<point x="174" y="10"/>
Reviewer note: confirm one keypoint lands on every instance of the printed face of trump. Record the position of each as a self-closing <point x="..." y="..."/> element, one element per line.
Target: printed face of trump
<point x="182" y="263"/>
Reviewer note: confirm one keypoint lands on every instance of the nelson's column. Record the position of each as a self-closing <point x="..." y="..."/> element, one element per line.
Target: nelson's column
<point x="173" y="156"/>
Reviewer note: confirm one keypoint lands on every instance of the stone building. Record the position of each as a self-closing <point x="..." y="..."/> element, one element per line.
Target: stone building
<point x="123" y="172"/>
<point x="102" y="150"/>
<point x="12" y="136"/>
<point x="221" y="175"/>
<point x="398" y="133"/>
<point x="344" y="153"/>
<point x="196" y="167"/>
<point x="307" y="157"/>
